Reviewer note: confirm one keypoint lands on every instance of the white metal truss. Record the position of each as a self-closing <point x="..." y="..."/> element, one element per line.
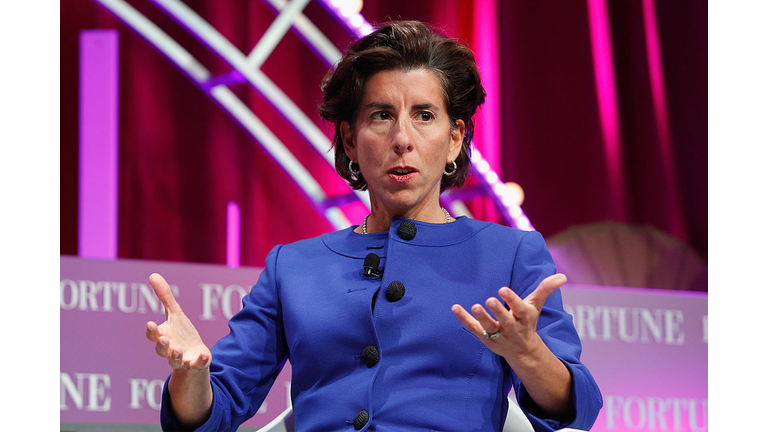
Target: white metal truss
<point x="246" y="69"/>
<point x="217" y="89"/>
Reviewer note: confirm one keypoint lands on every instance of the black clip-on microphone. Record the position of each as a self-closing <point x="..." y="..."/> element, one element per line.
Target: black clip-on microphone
<point x="371" y="266"/>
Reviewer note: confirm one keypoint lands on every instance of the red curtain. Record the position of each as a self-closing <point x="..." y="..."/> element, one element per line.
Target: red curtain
<point x="182" y="159"/>
<point x="553" y="145"/>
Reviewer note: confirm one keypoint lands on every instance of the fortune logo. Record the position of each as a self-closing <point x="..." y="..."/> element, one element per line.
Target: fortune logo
<point x="106" y="296"/>
<point x="86" y="391"/>
<point x="630" y="325"/>
<point x="655" y="413"/>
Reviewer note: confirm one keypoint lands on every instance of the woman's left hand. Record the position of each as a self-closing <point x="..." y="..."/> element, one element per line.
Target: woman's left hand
<point x="512" y="332"/>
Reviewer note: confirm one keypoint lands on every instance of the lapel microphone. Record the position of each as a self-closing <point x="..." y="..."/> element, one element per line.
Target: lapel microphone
<point x="371" y="266"/>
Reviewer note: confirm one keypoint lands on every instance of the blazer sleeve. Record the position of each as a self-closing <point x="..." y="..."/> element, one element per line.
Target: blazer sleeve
<point x="533" y="263"/>
<point x="246" y="362"/>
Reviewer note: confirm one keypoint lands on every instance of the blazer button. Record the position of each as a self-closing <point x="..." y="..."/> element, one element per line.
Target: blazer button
<point x="370" y="356"/>
<point x="395" y="291"/>
<point x="360" y="420"/>
<point x="407" y="230"/>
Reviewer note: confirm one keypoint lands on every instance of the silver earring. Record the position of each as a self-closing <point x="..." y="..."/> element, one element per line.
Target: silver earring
<point x="452" y="172"/>
<point x="354" y="174"/>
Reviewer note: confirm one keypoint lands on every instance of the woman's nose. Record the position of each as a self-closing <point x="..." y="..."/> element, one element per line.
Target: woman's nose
<point x="402" y="141"/>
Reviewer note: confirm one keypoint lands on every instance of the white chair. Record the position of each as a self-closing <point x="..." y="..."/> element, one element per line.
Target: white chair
<point x="281" y="423"/>
<point x="516" y="421"/>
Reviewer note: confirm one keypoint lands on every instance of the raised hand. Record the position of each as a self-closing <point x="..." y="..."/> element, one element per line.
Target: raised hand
<point x="512" y="332"/>
<point x="176" y="339"/>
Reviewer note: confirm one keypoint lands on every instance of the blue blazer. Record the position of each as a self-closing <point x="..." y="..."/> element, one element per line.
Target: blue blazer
<point x="365" y="357"/>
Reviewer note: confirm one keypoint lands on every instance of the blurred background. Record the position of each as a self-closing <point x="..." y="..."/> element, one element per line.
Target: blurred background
<point x="596" y="117"/>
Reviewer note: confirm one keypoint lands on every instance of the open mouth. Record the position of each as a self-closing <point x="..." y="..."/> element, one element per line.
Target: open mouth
<point x="402" y="174"/>
<point x="402" y="171"/>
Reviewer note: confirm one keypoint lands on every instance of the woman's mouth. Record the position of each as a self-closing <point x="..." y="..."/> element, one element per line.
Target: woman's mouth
<point x="402" y="174"/>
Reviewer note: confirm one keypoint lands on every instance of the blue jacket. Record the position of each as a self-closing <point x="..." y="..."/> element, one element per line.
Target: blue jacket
<point x="366" y="360"/>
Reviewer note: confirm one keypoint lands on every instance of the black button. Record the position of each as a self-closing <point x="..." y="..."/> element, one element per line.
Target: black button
<point x="395" y="291"/>
<point x="407" y="230"/>
<point x="370" y="356"/>
<point x="360" y="420"/>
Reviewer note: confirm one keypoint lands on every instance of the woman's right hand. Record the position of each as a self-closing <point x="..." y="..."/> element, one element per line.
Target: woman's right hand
<point x="176" y="339"/>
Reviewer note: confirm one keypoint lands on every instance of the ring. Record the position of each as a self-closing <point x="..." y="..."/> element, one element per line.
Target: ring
<point x="491" y="335"/>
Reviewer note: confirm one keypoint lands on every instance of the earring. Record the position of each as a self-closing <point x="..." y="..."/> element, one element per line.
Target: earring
<point x="354" y="173"/>
<point x="453" y="171"/>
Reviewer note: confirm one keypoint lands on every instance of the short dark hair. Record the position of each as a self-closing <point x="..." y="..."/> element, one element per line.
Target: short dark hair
<point x="403" y="45"/>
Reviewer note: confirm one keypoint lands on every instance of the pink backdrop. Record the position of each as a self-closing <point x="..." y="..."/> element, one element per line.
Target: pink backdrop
<point x="110" y="374"/>
<point x="647" y="349"/>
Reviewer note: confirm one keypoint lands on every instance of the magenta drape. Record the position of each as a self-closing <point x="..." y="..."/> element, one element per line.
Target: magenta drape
<point x="552" y="137"/>
<point x="182" y="159"/>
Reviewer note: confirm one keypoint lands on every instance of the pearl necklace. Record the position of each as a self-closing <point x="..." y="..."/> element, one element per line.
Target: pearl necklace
<point x="365" y="221"/>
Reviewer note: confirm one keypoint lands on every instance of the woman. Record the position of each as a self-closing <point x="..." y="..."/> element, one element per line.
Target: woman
<point x="390" y="345"/>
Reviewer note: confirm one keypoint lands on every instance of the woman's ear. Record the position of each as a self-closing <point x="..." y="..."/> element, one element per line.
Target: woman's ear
<point x="457" y="140"/>
<point x="347" y="137"/>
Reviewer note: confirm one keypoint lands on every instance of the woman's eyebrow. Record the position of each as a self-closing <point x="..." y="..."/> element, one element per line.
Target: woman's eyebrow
<point x="425" y="106"/>
<point x="379" y="105"/>
<point x="387" y="106"/>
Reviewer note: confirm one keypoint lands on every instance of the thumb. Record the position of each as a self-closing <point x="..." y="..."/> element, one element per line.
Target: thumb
<point x="545" y="288"/>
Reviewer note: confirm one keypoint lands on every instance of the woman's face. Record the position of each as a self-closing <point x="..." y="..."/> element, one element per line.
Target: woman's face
<point x="402" y="140"/>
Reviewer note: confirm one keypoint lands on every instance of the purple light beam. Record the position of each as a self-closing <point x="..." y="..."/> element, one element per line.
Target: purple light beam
<point x="97" y="204"/>
<point x="233" y="234"/>
<point x="602" y="58"/>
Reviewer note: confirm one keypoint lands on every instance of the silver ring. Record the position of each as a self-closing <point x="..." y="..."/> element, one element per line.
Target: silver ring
<point x="491" y="335"/>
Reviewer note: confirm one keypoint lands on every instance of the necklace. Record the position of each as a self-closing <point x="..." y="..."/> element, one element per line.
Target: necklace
<point x="365" y="221"/>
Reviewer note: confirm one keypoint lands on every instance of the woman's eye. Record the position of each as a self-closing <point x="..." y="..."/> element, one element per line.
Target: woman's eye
<point x="425" y="116"/>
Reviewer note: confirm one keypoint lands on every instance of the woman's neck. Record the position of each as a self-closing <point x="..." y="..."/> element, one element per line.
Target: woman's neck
<point x="381" y="218"/>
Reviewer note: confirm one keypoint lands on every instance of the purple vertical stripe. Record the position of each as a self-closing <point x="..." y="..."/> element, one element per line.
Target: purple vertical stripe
<point x="233" y="234"/>
<point x="486" y="50"/>
<point x="98" y="171"/>
<point x="486" y="53"/>
<point x="653" y="48"/>
<point x="602" y="58"/>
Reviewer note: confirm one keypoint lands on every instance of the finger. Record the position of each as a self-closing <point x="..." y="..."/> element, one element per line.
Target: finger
<point x="176" y="358"/>
<point x="503" y="316"/>
<point x="467" y="319"/>
<point x="162" y="347"/>
<point x="177" y="361"/>
<point x="200" y="363"/>
<point x="488" y="323"/>
<point x="545" y="288"/>
<point x="152" y="331"/>
<point x="517" y="306"/>
<point x="164" y="293"/>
